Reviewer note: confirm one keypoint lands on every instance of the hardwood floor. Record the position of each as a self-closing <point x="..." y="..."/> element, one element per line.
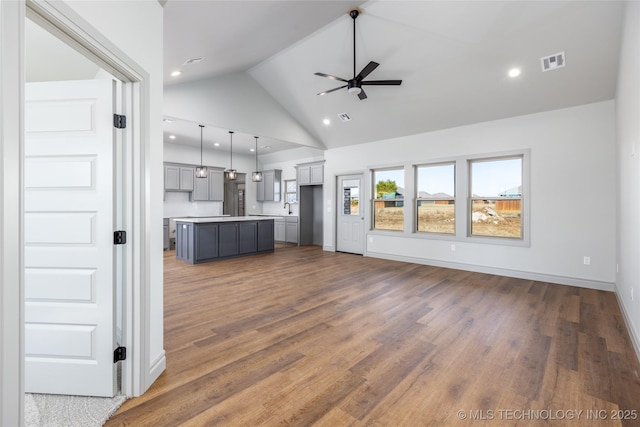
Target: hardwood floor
<point x="306" y="337"/>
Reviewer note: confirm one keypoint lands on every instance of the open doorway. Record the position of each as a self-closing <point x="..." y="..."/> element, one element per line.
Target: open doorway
<point x="234" y="196"/>
<point x="75" y="163"/>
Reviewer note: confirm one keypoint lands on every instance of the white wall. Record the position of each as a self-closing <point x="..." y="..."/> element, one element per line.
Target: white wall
<point x="572" y="194"/>
<point x="136" y="28"/>
<point x="235" y="101"/>
<point x="628" y="178"/>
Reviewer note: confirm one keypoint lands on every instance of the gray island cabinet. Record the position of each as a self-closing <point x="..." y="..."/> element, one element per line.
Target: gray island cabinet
<point x="201" y="240"/>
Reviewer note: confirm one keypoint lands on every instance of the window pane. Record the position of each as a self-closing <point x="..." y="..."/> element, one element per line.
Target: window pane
<point x="436" y="182"/>
<point x="496" y="178"/>
<point x="496" y="208"/>
<point x="388" y="212"/>
<point x="290" y="191"/>
<point x="291" y="186"/>
<point x="351" y="197"/>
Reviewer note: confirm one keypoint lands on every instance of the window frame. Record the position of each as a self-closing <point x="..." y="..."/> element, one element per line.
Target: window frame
<point x="374" y="199"/>
<point x="418" y="199"/>
<point x="286" y="193"/>
<point x="471" y="198"/>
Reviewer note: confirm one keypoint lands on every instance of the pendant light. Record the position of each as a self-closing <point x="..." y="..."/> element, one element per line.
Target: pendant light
<point x="257" y="175"/>
<point x="231" y="172"/>
<point x="201" y="171"/>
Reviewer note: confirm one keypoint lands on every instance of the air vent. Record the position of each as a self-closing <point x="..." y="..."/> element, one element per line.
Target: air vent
<point x="193" y="61"/>
<point x="344" y="117"/>
<point x="552" y="62"/>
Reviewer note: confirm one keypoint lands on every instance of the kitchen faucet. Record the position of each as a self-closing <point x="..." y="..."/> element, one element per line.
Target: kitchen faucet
<point x="285" y="205"/>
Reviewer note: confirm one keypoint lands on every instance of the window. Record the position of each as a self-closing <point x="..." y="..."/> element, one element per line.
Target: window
<point x="496" y="197"/>
<point x="351" y="197"/>
<point x="435" y="198"/>
<point x="290" y="191"/>
<point x="388" y="204"/>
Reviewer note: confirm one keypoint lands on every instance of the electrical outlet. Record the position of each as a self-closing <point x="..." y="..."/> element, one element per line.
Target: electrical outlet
<point x="587" y="260"/>
<point x="453" y="248"/>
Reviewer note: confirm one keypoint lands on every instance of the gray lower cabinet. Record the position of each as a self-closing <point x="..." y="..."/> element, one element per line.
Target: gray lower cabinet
<point x="265" y="236"/>
<point x="229" y="245"/>
<point x="204" y="242"/>
<point x="184" y="242"/>
<point x="279" y="231"/>
<point x="286" y="229"/>
<point x="291" y="231"/>
<point x="248" y="238"/>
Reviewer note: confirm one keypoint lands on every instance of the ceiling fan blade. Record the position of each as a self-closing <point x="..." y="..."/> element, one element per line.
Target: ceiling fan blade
<point x="367" y="70"/>
<point x="332" y="90"/>
<point x="329" y="76"/>
<point x="362" y="95"/>
<point x="382" y="82"/>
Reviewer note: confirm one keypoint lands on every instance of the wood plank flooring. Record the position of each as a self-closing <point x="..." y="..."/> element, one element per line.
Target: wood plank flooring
<point x="305" y="337"/>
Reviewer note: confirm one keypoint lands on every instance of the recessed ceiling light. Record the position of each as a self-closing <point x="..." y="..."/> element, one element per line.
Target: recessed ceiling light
<point x="217" y="144"/>
<point x="172" y="137"/>
<point x="514" y="72"/>
<point x="252" y="149"/>
<point x="176" y="73"/>
<point x="326" y="122"/>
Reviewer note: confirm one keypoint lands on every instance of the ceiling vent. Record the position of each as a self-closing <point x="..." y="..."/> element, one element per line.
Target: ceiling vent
<point x="344" y="117"/>
<point x="193" y="61"/>
<point x="552" y="62"/>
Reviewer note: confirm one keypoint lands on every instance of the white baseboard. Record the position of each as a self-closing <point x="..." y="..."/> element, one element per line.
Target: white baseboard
<point x="157" y="367"/>
<point x="635" y="337"/>
<point x="550" y="278"/>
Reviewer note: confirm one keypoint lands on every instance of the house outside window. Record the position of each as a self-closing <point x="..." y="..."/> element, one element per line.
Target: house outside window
<point x="435" y="198"/>
<point x="496" y="197"/>
<point x="388" y="202"/>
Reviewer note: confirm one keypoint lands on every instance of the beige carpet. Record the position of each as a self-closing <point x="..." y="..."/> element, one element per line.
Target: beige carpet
<point x="48" y="410"/>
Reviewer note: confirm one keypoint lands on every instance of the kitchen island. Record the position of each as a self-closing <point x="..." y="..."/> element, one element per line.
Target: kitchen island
<point x="208" y="239"/>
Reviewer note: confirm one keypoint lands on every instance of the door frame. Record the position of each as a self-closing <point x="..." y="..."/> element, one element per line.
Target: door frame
<point x="138" y="371"/>
<point x="364" y="195"/>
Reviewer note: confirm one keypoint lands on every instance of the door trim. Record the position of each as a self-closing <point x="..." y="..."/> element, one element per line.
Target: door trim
<point x="137" y="372"/>
<point x="364" y="194"/>
<point x="66" y="22"/>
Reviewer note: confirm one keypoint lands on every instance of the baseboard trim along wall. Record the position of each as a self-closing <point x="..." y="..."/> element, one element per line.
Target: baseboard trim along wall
<point x="582" y="283"/>
<point x="635" y="337"/>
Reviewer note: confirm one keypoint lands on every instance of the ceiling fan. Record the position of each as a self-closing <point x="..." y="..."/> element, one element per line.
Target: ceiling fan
<point x="355" y="84"/>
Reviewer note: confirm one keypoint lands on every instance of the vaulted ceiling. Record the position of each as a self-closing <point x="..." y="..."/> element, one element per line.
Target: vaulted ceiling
<point x="453" y="59"/>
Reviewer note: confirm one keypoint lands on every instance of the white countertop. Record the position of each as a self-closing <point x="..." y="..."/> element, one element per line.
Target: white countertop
<point x="225" y="219"/>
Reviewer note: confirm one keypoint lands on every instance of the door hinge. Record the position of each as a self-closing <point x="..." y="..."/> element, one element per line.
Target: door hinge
<point x="119" y="237"/>
<point x="119" y="121"/>
<point x="119" y="354"/>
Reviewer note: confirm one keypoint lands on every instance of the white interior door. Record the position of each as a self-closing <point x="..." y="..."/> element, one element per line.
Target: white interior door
<point x="69" y="251"/>
<point x="350" y="215"/>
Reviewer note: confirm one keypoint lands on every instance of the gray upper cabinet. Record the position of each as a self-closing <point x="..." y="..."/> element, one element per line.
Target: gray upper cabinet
<point x="216" y="184"/>
<point x="311" y="173"/>
<point x="210" y="188"/>
<point x="268" y="190"/>
<point x="178" y="178"/>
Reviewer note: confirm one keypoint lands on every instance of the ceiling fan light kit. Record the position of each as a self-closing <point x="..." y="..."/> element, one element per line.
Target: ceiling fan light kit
<point x="354" y="85"/>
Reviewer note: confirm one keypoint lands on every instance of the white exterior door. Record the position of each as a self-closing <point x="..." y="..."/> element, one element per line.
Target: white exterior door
<point x="69" y="253"/>
<point x="350" y="215"/>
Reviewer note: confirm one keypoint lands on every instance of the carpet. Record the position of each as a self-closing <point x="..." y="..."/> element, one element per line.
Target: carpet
<point x="49" y="410"/>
